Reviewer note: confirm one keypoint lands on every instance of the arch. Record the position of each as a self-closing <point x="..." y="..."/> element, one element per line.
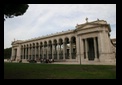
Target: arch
<point x="45" y="43"/>
<point x="27" y="45"/>
<point x="73" y="39"/>
<point x="60" y="48"/>
<point x="66" y="40"/>
<point x="67" y="48"/>
<point x="41" y="43"/>
<point x="30" y="45"/>
<point x="50" y="42"/>
<point x="37" y="44"/>
<point x="24" y="46"/>
<point x="54" y="41"/>
<point x="33" y="44"/>
<point x="73" y="47"/>
<point x="60" y="41"/>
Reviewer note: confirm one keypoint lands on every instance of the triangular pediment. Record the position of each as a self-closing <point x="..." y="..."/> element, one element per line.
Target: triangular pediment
<point x="91" y="24"/>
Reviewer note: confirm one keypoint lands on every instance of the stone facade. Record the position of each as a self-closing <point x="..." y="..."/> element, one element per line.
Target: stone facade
<point x="89" y="43"/>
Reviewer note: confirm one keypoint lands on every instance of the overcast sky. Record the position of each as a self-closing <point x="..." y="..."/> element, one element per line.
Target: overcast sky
<point x="43" y="19"/>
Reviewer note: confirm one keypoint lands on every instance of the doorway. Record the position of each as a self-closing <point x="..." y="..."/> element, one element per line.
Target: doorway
<point x="91" y="54"/>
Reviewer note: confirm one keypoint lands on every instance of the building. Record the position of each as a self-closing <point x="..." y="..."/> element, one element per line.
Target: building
<point x="88" y="43"/>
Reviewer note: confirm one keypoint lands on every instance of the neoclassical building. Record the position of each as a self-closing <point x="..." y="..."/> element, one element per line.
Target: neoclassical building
<point x="88" y="43"/>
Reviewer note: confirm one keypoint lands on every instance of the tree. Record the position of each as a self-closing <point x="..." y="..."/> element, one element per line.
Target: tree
<point x="7" y="53"/>
<point x="11" y="10"/>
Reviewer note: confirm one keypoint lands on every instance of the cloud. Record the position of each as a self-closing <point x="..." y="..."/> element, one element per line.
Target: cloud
<point x="43" y="19"/>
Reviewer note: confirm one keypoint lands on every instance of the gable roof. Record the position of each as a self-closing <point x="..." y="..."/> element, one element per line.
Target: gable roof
<point x="93" y="24"/>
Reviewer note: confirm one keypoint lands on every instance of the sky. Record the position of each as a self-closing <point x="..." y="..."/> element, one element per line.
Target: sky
<point x="44" y="19"/>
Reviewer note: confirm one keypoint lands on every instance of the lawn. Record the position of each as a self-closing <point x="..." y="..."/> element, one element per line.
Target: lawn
<point x="58" y="71"/>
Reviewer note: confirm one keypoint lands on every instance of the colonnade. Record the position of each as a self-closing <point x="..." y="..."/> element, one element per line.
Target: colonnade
<point x="56" y="49"/>
<point x="91" y="50"/>
<point x="60" y="49"/>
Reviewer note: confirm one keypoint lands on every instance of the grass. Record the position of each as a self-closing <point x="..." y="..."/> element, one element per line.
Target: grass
<point x="58" y="71"/>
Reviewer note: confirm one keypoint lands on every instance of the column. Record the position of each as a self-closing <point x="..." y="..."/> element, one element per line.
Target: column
<point x="35" y="52"/>
<point x="77" y="48"/>
<point x="64" y="47"/>
<point x="43" y="51"/>
<point x="57" y="50"/>
<point x="28" y="53"/>
<point x="12" y="53"/>
<point x="70" y="49"/>
<point x="95" y="48"/>
<point x="18" y="52"/>
<point x="25" y="53"/>
<point x="39" y="52"/>
<point x="31" y="52"/>
<point x="21" y="54"/>
<point x="86" y="49"/>
<point x="52" y="51"/>
<point x="47" y="51"/>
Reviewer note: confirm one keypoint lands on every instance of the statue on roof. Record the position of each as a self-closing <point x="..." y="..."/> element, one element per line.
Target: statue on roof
<point x="86" y="19"/>
<point x="97" y="19"/>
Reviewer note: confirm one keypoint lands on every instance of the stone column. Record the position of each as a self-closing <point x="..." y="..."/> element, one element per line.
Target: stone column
<point x="25" y="53"/>
<point x="70" y="49"/>
<point x="100" y="45"/>
<point x="86" y="49"/>
<point x="64" y="48"/>
<point x="52" y="51"/>
<point x="57" y="50"/>
<point x="82" y="49"/>
<point x="28" y="52"/>
<point x="19" y="52"/>
<point x="12" y="53"/>
<point x="35" y="52"/>
<point x="39" y="52"/>
<point x="31" y="52"/>
<point x="47" y="51"/>
<point x="43" y="51"/>
<point x="77" y="48"/>
<point x="95" y="49"/>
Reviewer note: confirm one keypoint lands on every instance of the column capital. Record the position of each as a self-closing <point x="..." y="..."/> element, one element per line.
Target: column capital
<point x="70" y="41"/>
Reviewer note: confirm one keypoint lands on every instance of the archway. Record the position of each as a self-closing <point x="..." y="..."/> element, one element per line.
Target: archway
<point x="73" y="47"/>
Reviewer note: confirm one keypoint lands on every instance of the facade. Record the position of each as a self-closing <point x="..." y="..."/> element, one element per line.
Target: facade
<point x="88" y="43"/>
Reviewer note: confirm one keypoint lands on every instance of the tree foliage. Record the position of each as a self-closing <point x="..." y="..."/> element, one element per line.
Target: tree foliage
<point x="7" y="53"/>
<point x="11" y="10"/>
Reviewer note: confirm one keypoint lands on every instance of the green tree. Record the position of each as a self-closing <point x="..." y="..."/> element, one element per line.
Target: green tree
<point x="11" y="10"/>
<point x="7" y="53"/>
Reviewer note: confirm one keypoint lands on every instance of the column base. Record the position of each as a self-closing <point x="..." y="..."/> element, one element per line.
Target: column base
<point x="86" y="59"/>
<point x="96" y="59"/>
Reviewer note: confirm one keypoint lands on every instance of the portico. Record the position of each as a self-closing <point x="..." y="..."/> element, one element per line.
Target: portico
<point x="89" y="42"/>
